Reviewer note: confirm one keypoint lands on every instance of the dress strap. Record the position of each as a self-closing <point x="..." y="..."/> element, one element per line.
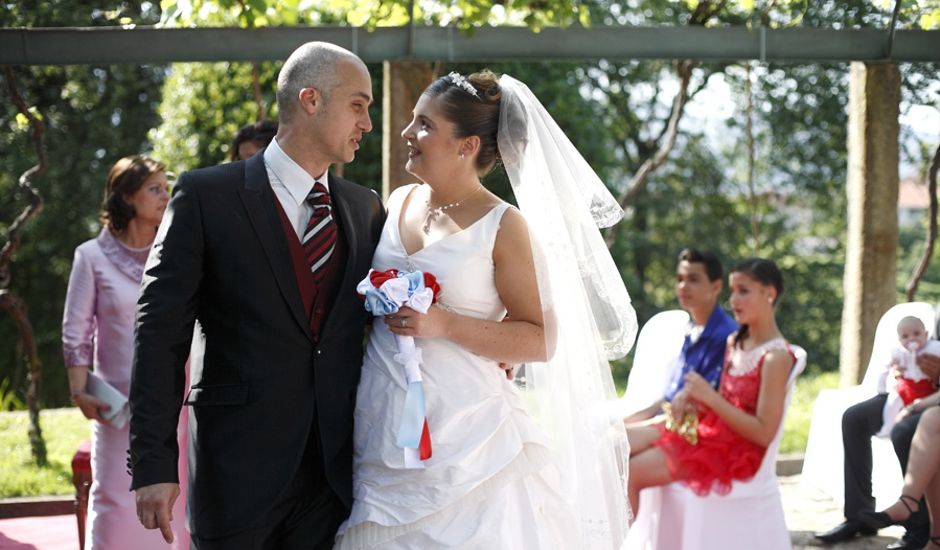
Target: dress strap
<point x="786" y="346"/>
<point x="491" y="221"/>
<point x="397" y="198"/>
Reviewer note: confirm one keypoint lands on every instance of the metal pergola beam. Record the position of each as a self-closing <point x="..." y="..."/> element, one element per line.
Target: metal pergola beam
<point x="76" y="46"/>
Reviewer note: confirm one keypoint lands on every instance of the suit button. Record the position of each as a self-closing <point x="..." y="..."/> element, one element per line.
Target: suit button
<point x="319" y="353"/>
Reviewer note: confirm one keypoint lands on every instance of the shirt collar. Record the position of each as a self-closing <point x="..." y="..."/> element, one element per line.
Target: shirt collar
<point x="717" y="320"/>
<point x="292" y="176"/>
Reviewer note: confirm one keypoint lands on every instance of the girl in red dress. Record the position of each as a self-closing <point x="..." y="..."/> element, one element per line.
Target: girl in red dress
<point x="737" y="422"/>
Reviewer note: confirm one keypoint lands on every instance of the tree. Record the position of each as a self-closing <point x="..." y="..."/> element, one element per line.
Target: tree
<point x="93" y="115"/>
<point x="12" y="303"/>
<point x="699" y="195"/>
<point x="204" y="104"/>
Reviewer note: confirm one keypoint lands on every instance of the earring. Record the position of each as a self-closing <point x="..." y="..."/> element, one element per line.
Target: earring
<point x="770" y="300"/>
<point x="461" y="156"/>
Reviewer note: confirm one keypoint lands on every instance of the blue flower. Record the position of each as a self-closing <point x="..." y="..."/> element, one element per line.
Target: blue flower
<point x="415" y="280"/>
<point x="378" y="304"/>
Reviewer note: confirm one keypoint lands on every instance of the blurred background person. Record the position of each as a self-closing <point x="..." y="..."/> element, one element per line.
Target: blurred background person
<point x="98" y="335"/>
<point x="252" y="138"/>
<point x="698" y="286"/>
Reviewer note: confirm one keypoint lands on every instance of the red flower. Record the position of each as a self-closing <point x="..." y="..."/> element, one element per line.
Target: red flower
<point x="379" y="277"/>
<point x="430" y="281"/>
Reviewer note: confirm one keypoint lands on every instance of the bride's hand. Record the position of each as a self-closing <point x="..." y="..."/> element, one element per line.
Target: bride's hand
<point x="408" y="322"/>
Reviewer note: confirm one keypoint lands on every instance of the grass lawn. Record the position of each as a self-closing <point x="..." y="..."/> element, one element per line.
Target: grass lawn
<point x="63" y="430"/>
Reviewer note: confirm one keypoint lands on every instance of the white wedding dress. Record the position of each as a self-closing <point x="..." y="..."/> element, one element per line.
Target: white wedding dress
<point x="491" y="482"/>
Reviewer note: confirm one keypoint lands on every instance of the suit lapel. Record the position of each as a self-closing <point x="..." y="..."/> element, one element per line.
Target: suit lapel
<point x="259" y="203"/>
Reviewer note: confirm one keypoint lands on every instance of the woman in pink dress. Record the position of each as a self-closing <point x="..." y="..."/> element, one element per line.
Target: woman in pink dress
<point x="98" y="335"/>
<point x="737" y="422"/>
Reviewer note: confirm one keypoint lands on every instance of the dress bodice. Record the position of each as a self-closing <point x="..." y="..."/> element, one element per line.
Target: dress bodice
<point x="462" y="262"/>
<point x="740" y="384"/>
<point x="98" y="320"/>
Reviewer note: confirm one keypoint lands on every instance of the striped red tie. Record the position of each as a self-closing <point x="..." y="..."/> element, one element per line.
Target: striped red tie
<point x="319" y="238"/>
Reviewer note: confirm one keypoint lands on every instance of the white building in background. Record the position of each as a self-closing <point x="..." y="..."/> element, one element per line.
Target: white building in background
<point x="913" y="201"/>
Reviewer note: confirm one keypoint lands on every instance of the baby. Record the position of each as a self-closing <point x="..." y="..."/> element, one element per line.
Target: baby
<point x="909" y="383"/>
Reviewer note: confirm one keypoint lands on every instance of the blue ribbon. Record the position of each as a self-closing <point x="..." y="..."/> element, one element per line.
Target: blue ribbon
<point x="412" y="417"/>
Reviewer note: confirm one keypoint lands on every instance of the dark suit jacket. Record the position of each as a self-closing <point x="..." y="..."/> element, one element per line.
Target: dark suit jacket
<point x="222" y="257"/>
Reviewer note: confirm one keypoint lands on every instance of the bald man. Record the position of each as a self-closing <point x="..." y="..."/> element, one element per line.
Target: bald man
<point x="265" y="253"/>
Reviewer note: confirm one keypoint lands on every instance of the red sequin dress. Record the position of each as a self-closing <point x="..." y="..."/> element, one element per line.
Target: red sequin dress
<point x="721" y="455"/>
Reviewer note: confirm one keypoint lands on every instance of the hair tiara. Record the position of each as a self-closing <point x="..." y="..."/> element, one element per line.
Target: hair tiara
<point x="461" y="82"/>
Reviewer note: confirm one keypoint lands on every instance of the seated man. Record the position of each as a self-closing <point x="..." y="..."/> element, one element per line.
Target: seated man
<point x="859" y="423"/>
<point x="698" y="284"/>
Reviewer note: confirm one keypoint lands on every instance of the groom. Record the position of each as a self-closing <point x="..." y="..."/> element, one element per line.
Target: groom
<point x="266" y="254"/>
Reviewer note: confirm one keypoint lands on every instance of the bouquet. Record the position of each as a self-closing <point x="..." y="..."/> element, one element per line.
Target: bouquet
<point x="687" y="426"/>
<point x="385" y="292"/>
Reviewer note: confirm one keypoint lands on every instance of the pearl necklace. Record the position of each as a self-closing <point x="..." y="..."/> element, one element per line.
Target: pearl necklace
<point x="433" y="213"/>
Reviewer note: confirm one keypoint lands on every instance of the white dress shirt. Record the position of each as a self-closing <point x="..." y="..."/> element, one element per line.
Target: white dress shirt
<point x="291" y="185"/>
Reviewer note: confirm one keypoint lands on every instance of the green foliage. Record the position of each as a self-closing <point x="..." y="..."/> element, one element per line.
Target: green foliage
<point x="203" y="105"/>
<point x="613" y="111"/>
<point x="800" y="133"/>
<point x="63" y="430"/>
<point x="464" y="14"/>
<point x="9" y="401"/>
<point x="919" y="13"/>
<point x="558" y="86"/>
<point x="910" y="249"/>
<point x="63" y="13"/>
<point x="94" y="115"/>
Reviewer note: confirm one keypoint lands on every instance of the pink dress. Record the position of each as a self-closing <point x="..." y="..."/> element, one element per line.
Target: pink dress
<point x="721" y="455"/>
<point x="98" y="330"/>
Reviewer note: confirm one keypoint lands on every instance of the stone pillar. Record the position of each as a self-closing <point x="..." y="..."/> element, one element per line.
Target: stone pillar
<point x="871" y="248"/>
<point x="402" y="84"/>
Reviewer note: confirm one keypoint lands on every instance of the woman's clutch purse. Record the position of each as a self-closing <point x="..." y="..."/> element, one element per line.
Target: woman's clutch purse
<point x="686" y="427"/>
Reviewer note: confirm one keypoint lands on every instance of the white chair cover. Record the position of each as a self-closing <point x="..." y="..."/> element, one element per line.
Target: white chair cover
<point x="823" y="461"/>
<point x="750" y="516"/>
<point x="657" y="350"/>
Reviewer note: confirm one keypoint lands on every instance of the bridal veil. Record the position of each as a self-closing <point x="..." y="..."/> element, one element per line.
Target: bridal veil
<point x="589" y="319"/>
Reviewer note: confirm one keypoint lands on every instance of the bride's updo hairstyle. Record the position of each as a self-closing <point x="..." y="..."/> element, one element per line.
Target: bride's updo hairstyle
<point x="471" y="104"/>
<point x="764" y="272"/>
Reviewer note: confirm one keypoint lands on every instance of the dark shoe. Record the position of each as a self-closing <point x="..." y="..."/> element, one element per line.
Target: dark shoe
<point x="908" y="542"/>
<point x="846" y="530"/>
<point x="880" y="520"/>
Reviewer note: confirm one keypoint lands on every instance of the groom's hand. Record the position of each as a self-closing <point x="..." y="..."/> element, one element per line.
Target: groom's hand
<point x="155" y="507"/>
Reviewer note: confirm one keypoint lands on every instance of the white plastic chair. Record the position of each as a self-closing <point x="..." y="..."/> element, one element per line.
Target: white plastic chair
<point x="657" y="349"/>
<point x="750" y="516"/>
<point x="823" y="460"/>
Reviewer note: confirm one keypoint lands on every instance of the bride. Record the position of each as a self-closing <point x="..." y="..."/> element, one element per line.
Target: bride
<point x="531" y="463"/>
